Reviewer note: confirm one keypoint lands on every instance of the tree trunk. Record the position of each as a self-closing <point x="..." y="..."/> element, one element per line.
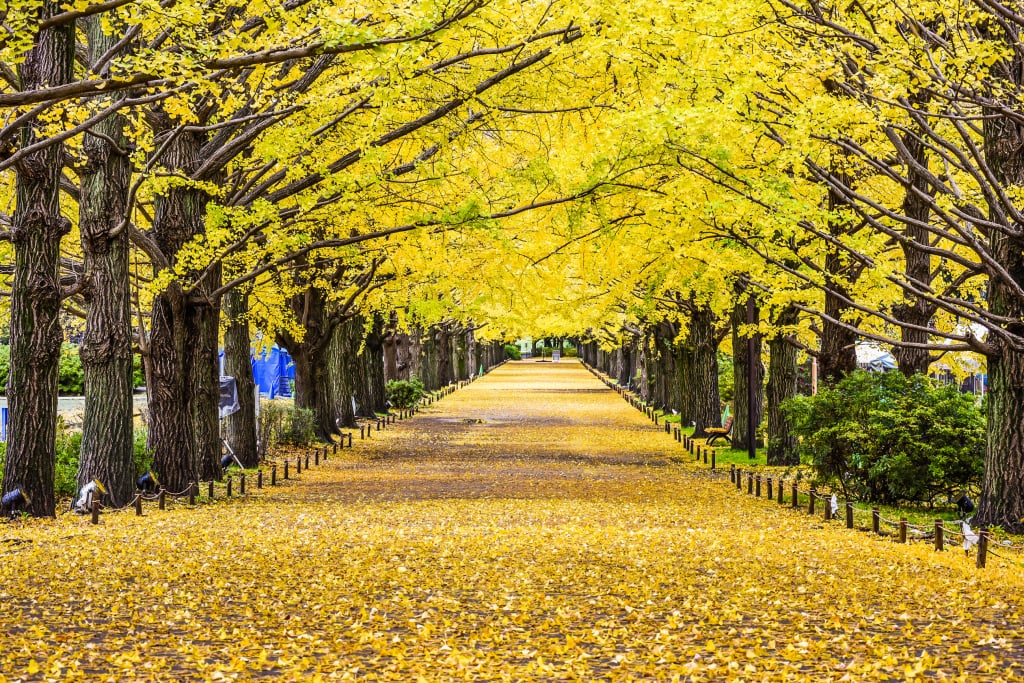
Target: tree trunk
<point x="372" y="356"/>
<point x="179" y="216"/>
<point x="745" y="403"/>
<point x="204" y="379"/>
<point x="37" y="228"/>
<point x="241" y="426"/>
<point x="1002" y="490"/>
<point x="915" y="310"/>
<point x="782" y="375"/>
<point x="340" y="359"/>
<point x="707" y="403"/>
<point x="106" y="351"/>
<point x="444" y="356"/>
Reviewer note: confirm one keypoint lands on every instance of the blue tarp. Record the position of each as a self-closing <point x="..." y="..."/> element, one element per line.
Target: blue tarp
<point x="273" y="371"/>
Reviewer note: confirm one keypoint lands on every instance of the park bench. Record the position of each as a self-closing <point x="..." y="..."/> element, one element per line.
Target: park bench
<point x="722" y="432"/>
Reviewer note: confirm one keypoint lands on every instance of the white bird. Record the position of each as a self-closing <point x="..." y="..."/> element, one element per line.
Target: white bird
<point x="835" y="505"/>
<point x="970" y="537"/>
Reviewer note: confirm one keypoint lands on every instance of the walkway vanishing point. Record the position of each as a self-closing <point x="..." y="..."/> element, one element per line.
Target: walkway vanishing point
<point x="531" y="526"/>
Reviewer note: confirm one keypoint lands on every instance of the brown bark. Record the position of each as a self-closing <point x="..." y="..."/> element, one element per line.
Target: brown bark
<point x="37" y="228"/>
<point x="106" y="351"/>
<point x="745" y="403"/>
<point x="241" y="426"/>
<point x="782" y="377"/>
<point x="703" y="380"/>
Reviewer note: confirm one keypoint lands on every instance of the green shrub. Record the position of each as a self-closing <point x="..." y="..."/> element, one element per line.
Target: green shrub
<point x="138" y="375"/>
<point x="5" y="366"/>
<point x="405" y="393"/>
<point x="71" y="378"/>
<point x="281" y="423"/>
<point x="512" y="352"/>
<point x="69" y="449"/>
<point x="886" y="438"/>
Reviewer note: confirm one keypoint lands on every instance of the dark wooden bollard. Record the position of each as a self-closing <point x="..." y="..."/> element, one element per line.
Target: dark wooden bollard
<point x="298" y="465"/>
<point x="362" y="430"/>
<point x="698" y="454"/>
<point x="259" y="479"/>
<point x="229" y="487"/>
<point x="138" y="504"/>
<point x="316" y="457"/>
<point x="192" y="486"/>
<point x="781" y="494"/>
<point x="163" y="499"/>
<point x="325" y="452"/>
<point x="982" y="549"/>
<point x="768" y="484"/>
<point x="668" y="427"/>
<point x="939" y="535"/>
<point x="210" y="491"/>
<point x="732" y="474"/>
<point x="828" y="510"/>
<point x="713" y="459"/>
<point x="874" y="520"/>
<point x="378" y="424"/>
<point x="241" y="484"/>
<point x="810" y="502"/>
<point x="750" y="483"/>
<point x="706" y="449"/>
<point x="849" y="515"/>
<point x="336" y="444"/>
<point x="286" y="470"/>
<point x="795" y="492"/>
<point x="95" y="512"/>
<point x="307" y="461"/>
<point x="273" y="475"/>
<point x="903" y="530"/>
<point x="758" y="487"/>
<point x="350" y="440"/>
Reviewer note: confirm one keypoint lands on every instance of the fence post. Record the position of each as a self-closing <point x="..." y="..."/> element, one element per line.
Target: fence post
<point x="796" y="495"/>
<point x="706" y="449"/>
<point x="810" y="502"/>
<point x="874" y="520"/>
<point x="713" y="453"/>
<point x="939" y="531"/>
<point x="95" y="512"/>
<point x="286" y="469"/>
<point x="732" y="474"/>
<point x="849" y="515"/>
<point x="210" y="490"/>
<point x="739" y="478"/>
<point x="298" y="465"/>
<point x="192" y="493"/>
<point x="782" y="495"/>
<point x="768" y="481"/>
<point x="828" y="510"/>
<point x="982" y="548"/>
<point x="903" y="530"/>
<point x="163" y="499"/>
<point x="750" y="483"/>
<point x="259" y="479"/>
<point x="138" y="504"/>
<point x="229" y="486"/>
<point x="273" y="475"/>
<point x="241" y="484"/>
<point x="758" y="486"/>
<point x="316" y="457"/>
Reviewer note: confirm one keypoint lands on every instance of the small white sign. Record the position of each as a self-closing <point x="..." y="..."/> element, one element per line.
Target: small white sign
<point x="556" y="356"/>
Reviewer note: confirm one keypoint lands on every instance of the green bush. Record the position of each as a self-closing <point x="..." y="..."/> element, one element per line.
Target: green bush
<point x="405" y="393"/>
<point x="512" y="352"/>
<point x="69" y="452"/>
<point x="69" y="449"/>
<point x="71" y="378"/>
<point x="281" y="423"/>
<point x="5" y="366"/>
<point x="883" y="437"/>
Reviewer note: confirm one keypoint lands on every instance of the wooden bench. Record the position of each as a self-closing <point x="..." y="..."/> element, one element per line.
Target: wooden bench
<point x="723" y="432"/>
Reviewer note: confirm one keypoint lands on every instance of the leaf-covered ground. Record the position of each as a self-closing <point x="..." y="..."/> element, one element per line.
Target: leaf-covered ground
<point x="529" y="527"/>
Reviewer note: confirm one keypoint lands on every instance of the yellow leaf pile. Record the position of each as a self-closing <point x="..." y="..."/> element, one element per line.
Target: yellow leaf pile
<point x="529" y="527"/>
